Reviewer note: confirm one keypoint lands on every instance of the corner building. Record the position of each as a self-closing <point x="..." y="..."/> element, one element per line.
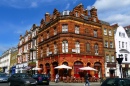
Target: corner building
<point x="73" y="38"/>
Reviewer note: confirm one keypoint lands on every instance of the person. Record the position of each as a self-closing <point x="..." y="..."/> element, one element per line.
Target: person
<point x="86" y="80"/>
<point x="49" y="76"/>
<point x="57" y="77"/>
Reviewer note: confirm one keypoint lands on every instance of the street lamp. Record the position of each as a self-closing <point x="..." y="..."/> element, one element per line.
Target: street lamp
<point x="120" y="59"/>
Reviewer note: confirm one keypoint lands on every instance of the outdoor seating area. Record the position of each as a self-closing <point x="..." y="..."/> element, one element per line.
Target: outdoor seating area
<point x="73" y="79"/>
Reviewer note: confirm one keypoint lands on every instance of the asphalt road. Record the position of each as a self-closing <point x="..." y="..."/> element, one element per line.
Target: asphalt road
<point x="62" y="84"/>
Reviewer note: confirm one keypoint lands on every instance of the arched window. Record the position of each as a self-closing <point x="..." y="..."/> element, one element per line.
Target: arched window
<point x="65" y="46"/>
<point x="87" y="47"/>
<point x="77" y="47"/>
<point x="96" y="49"/>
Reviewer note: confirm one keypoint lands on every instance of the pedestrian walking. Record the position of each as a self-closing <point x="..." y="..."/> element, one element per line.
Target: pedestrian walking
<point x="56" y="78"/>
<point x="87" y="80"/>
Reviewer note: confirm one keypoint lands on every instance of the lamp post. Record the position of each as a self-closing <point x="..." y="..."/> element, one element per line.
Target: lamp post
<point x="120" y="59"/>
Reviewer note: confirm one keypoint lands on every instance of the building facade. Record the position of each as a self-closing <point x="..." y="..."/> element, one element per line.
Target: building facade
<point x="122" y="51"/>
<point x="73" y="38"/>
<point x="109" y="49"/>
<point x="5" y="60"/>
<point x="27" y="50"/>
<point x="13" y="60"/>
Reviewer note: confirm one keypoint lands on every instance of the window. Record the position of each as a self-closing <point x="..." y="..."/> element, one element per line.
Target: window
<point x="96" y="49"/>
<point x="65" y="46"/>
<point x="76" y="14"/>
<point x="55" y="48"/>
<point x="88" y="47"/>
<point x="122" y="44"/>
<point x="126" y="58"/>
<point x="112" y="59"/>
<point x="77" y="47"/>
<point x="47" y="51"/>
<point x="77" y="29"/>
<point x="95" y="33"/>
<point x="64" y="28"/>
<point x="26" y="38"/>
<point x="41" y="52"/>
<point x="111" y="44"/>
<point x="110" y="33"/>
<point x="119" y="44"/>
<point x="94" y="19"/>
<point x="126" y="45"/>
<point x="41" y="38"/>
<point x="47" y="34"/>
<point x="106" y="44"/>
<point x="123" y="34"/>
<point x="107" y="58"/>
<point x="55" y="31"/>
<point x="120" y="34"/>
<point x="105" y="31"/>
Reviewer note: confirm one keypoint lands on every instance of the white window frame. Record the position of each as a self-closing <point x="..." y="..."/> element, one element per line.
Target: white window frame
<point x="77" y="47"/>
<point x="110" y="33"/>
<point x="96" y="49"/>
<point x="77" y="29"/>
<point x="55" y="31"/>
<point x="64" y="28"/>
<point x="105" y="31"/>
<point x="112" y="58"/>
<point x="95" y="33"/>
<point x="107" y="58"/>
<point x="55" y="48"/>
<point x="106" y="44"/>
<point x="111" y="44"/>
<point x="47" y="51"/>
<point x="65" y="47"/>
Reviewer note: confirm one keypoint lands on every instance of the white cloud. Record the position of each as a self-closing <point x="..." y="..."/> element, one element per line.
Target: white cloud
<point x="67" y="6"/>
<point x="24" y="3"/>
<point x="114" y="11"/>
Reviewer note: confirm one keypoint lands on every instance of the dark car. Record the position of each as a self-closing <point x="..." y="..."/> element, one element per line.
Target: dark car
<point x="116" y="82"/>
<point x="21" y="79"/>
<point x="41" y="79"/>
<point x="4" y="77"/>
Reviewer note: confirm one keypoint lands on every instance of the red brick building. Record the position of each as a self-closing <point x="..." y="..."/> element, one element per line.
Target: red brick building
<point x="73" y="38"/>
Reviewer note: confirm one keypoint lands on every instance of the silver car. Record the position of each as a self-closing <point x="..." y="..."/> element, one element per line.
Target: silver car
<point x="4" y="77"/>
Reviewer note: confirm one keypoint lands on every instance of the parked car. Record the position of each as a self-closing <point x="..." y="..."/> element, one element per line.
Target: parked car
<point x="22" y="79"/>
<point x="116" y="82"/>
<point x="41" y="79"/>
<point x="4" y="77"/>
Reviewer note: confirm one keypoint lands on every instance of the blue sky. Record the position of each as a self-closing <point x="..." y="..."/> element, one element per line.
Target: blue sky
<point x="17" y="16"/>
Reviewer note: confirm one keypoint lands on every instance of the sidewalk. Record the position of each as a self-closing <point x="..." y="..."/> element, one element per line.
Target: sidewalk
<point x="74" y="84"/>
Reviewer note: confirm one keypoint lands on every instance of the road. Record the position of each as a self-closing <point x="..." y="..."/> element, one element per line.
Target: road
<point x="63" y="84"/>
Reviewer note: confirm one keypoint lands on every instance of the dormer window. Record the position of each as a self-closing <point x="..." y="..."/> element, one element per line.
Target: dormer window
<point x="47" y="34"/>
<point x="94" y="19"/>
<point x="77" y="29"/>
<point x="55" y="31"/>
<point x="76" y="14"/>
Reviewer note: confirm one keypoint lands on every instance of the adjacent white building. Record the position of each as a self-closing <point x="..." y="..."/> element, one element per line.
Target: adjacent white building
<point x="5" y="60"/>
<point x="122" y="44"/>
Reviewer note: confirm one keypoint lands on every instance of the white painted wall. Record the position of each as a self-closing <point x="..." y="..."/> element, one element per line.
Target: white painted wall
<point x="125" y="39"/>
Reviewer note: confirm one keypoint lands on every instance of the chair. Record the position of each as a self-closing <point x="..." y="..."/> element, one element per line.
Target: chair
<point x="79" y="80"/>
<point x="82" y="79"/>
<point x="71" y="79"/>
<point x="67" y="79"/>
<point x="64" y="79"/>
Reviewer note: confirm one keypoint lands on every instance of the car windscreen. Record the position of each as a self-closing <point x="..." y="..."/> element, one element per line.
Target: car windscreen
<point x="25" y="76"/>
<point x="3" y="75"/>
